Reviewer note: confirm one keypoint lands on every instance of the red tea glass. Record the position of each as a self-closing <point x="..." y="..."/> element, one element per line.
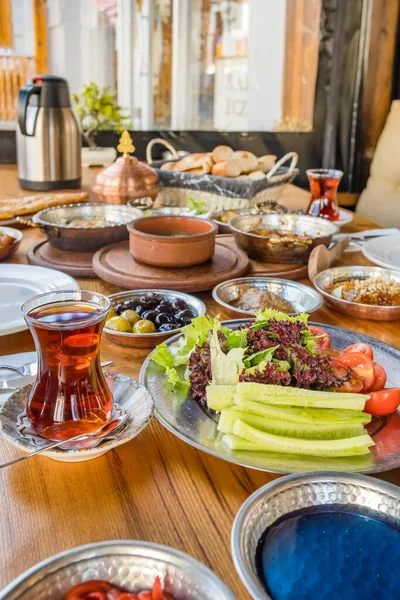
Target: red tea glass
<point x="324" y="184"/>
<point x="70" y="395"/>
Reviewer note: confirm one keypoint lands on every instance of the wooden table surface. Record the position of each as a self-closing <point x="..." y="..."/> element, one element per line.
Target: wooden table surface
<point x="154" y="488"/>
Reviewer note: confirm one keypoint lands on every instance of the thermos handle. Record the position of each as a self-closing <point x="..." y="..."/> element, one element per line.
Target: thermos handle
<point x="23" y="100"/>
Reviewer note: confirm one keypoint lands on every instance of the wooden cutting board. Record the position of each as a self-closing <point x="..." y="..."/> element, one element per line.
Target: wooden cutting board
<point x="115" y="264"/>
<point x="76" y="264"/>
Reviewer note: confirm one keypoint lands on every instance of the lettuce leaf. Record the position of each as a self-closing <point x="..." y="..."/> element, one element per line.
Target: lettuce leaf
<point x="199" y="207"/>
<point x="236" y="338"/>
<point x="258" y="357"/>
<point x="162" y="356"/>
<point x="270" y="313"/>
<point x="174" y="379"/>
<point x="225" y="368"/>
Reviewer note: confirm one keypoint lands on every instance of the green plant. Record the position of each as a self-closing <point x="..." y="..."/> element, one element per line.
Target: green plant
<point x="98" y="110"/>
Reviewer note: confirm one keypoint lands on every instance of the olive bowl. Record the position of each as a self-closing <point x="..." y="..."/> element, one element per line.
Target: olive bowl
<point x="149" y="340"/>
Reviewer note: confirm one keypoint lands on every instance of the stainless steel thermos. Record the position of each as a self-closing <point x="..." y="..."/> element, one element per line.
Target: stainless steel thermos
<point x="48" y="136"/>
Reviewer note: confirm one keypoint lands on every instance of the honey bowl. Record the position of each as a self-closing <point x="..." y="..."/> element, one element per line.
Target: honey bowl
<point x="172" y="241"/>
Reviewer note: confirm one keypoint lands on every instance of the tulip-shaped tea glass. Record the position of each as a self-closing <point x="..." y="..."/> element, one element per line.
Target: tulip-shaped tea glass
<point x="70" y="395"/>
<point x="324" y="184"/>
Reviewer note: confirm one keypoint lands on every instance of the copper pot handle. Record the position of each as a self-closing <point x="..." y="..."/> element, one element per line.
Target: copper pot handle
<point x="31" y="223"/>
<point x="152" y="143"/>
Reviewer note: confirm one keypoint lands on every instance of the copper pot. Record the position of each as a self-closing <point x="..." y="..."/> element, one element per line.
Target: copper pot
<point x="127" y="178"/>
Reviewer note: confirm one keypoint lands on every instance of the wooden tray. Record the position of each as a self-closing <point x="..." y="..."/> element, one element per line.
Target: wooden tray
<point x="76" y="264"/>
<point x="115" y="264"/>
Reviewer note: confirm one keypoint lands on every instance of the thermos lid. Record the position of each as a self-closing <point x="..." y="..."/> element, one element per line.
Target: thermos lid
<point x="53" y="92"/>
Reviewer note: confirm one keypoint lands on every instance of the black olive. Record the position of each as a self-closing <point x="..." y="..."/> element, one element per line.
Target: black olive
<point x="167" y="327"/>
<point x="150" y="300"/>
<point x="127" y="304"/>
<point x="140" y="309"/>
<point x="184" y="314"/>
<point x="164" y="318"/>
<point x="164" y="308"/>
<point x="149" y="315"/>
<point x="119" y="308"/>
<point x="179" y="305"/>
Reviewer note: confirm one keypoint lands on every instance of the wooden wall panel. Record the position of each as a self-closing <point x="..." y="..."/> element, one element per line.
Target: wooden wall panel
<point x="40" y="35"/>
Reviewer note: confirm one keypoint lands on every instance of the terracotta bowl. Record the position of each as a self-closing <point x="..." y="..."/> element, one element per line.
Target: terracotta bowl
<point x="172" y="241"/>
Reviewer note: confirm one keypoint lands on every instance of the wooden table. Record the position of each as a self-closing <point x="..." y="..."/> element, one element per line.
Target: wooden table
<point x="154" y="488"/>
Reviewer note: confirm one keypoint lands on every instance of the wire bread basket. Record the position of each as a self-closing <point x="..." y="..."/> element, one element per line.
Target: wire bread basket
<point x="221" y="193"/>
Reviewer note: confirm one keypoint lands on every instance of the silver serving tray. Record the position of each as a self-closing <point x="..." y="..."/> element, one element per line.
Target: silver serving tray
<point x="185" y="419"/>
<point x="294" y="492"/>
<point x="129" y="564"/>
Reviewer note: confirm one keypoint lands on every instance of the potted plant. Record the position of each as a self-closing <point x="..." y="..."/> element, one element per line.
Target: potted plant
<point x="98" y="110"/>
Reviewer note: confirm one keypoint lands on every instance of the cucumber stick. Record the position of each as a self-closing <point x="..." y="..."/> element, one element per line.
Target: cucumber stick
<point x="253" y="390"/>
<point x="272" y="443"/>
<point x="234" y="442"/>
<point x="328" y="431"/>
<point x="331" y="400"/>
<point x="220" y="396"/>
<point x="317" y="416"/>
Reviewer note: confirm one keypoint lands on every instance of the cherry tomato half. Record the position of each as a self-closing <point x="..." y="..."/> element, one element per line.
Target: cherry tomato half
<point x="332" y="352"/>
<point x="322" y="340"/>
<point x="361" y="364"/>
<point x="383" y="402"/>
<point x="354" y="385"/>
<point x="360" y="347"/>
<point x="380" y="378"/>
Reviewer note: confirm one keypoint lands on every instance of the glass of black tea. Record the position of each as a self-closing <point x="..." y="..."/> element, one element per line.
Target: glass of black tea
<point x="323" y="185"/>
<point x="70" y="395"/>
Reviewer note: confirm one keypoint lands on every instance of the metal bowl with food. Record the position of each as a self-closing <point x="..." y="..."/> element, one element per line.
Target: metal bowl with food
<point x="127" y="564"/>
<point x="222" y="217"/>
<point x="86" y="227"/>
<point x="176" y="211"/>
<point x="10" y="239"/>
<point x="280" y="498"/>
<point x="279" y="238"/>
<point x="146" y="318"/>
<point x="371" y="293"/>
<point x="244" y="296"/>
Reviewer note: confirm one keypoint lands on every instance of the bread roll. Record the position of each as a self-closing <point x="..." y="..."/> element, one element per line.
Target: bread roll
<point x="221" y="153"/>
<point x="255" y="175"/>
<point x="194" y="161"/>
<point x="199" y="170"/>
<point x="248" y="160"/>
<point x="227" y="168"/>
<point x="265" y="163"/>
<point x="169" y="166"/>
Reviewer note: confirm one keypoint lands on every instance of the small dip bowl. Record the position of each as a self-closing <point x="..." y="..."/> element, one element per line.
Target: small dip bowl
<point x="172" y="241"/>
<point x="9" y="249"/>
<point x="265" y="249"/>
<point x="294" y="492"/>
<point x="356" y="309"/>
<point x="301" y="297"/>
<point x="149" y="340"/>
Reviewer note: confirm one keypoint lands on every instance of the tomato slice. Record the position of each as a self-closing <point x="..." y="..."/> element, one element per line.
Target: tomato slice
<point x="354" y="385"/>
<point x="93" y="590"/>
<point x="361" y="364"/>
<point x="380" y="378"/>
<point x="322" y="340"/>
<point x="360" y="347"/>
<point x="383" y="402"/>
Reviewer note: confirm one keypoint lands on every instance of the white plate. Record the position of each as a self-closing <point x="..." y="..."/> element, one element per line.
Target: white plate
<point x="384" y="251"/>
<point x="14" y="360"/>
<point x="19" y="283"/>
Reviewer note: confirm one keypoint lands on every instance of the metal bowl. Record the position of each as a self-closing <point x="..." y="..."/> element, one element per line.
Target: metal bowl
<point x="129" y="564"/>
<point x="285" y="495"/>
<point x="150" y="340"/>
<point x="175" y="211"/>
<point x="263" y="208"/>
<point x="301" y="297"/>
<point x="355" y="309"/>
<point x="54" y="222"/>
<point x="7" y="251"/>
<point x="263" y="249"/>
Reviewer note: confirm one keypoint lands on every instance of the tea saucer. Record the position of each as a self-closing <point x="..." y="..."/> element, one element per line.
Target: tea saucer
<point x="128" y="394"/>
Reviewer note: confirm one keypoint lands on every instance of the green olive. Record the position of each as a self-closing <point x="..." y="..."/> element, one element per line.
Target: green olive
<point x="131" y="316"/>
<point x="119" y="324"/>
<point x="111" y="314"/>
<point x="144" y="326"/>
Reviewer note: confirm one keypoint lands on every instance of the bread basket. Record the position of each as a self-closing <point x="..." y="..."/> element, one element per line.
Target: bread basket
<point x="221" y="193"/>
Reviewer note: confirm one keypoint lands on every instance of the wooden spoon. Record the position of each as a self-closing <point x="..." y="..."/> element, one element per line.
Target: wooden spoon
<point x="321" y="258"/>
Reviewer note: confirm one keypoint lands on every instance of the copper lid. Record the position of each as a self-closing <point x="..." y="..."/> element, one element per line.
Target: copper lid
<point x="127" y="178"/>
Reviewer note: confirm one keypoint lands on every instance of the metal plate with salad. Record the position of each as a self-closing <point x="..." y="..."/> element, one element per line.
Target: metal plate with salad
<point x="280" y="394"/>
